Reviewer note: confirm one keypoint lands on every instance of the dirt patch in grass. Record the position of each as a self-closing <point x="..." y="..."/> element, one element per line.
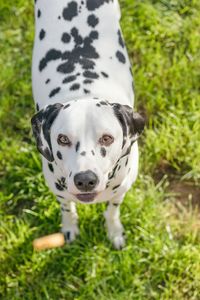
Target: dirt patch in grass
<point x="17" y="207"/>
<point x="163" y="169"/>
<point x="185" y="192"/>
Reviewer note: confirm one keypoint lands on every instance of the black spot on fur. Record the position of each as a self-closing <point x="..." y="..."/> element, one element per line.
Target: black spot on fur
<point x="60" y="197"/>
<point x="47" y="81"/>
<point x="95" y="4"/>
<point x="83" y="53"/>
<point x="119" y="168"/>
<point x="90" y="74"/>
<point x="59" y="155"/>
<point x="116" y="187"/>
<point x="59" y="17"/>
<point x="105" y="74"/>
<point x="54" y="92"/>
<point x="87" y="63"/>
<point x="75" y="87"/>
<point x="126" y="162"/>
<point x="98" y="105"/>
<point x="50" y="167"/>
<point x="51" y="55"/>
<point x="42" y="34"/>
<point x="66" y="37"/>
<point x="103" y="152"/>
<point x="65" y="55"/>
<point x="121" y="42"/>
<point x="124" y="142"/>
<point x="87" y="81"/>
<point x="116" y="204"/>
<point x="103" y="103"/>
<point x="93" y="153"/>
<point x="112" y="174"/>
<point x="127" y="152"/>
<point x="83" y="153"/>
<point x="67" y="235"/>
<point x="69" y="79"/>
<point x="47" y="153"/>
<point x="67" y="67"/>
<point x="92" y="20"/>
<point x="39" y="13"/>
<point x="70" y="11"/>
<point x="94" y="35"/>
<point x="77" y="37"/>
<point x="70" y="174"/>
<point x="37" y="107"/>
<point x="65" y="209"/>
<point x="59" y="187"/>
<point x="66" y="106"/>
<point x="120" y="56"/>
<point x="77" y="146"/>
<point x="61" y="184"/>
<point x="86" y="91"/>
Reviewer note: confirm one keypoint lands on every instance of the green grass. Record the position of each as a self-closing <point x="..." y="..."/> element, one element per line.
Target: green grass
<point x="161" y="259"/>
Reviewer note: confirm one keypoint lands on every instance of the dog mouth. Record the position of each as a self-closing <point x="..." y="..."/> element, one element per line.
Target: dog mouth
<point x="87" y="197"/>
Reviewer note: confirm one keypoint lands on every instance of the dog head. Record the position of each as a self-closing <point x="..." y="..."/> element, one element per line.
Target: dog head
<point x="86" y="138"/>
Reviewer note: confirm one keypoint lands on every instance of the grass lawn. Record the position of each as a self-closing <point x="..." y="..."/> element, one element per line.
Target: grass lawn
<point x="160" y="213"/>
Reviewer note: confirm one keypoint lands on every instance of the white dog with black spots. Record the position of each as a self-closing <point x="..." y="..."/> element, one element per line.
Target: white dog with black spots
<point x="85" y="127"/>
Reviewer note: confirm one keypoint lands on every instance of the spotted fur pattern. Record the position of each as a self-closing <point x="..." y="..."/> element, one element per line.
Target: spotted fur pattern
<point x="77" y="54"/>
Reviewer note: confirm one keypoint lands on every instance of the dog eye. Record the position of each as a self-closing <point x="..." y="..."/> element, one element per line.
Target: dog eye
<point x="63" y="140"/>
<point x="106" y="140"/>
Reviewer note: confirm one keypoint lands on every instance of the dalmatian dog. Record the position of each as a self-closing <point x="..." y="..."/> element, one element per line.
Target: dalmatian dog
<point x="85" y="127"/>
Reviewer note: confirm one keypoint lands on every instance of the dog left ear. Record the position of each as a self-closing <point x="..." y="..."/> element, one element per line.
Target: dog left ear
<point x="132" y="122"/>
<point x="41" y="126"/>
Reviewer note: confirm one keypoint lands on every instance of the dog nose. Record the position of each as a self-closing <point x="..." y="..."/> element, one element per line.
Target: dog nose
<point x="86" y="181"/>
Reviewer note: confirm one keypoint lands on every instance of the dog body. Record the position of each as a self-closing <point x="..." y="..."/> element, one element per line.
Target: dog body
<point x="85" y="128"/>
<point x="79" y="52"/>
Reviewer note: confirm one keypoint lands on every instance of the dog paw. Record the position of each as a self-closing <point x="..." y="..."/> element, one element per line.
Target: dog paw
<point x="70" y="233"/>
<point x="118" y="242"/>
<point x="116" y="234"/>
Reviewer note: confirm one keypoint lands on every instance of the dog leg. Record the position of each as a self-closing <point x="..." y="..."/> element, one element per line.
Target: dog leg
<point x="113" y="223"/>
<point x="69" y="220"/>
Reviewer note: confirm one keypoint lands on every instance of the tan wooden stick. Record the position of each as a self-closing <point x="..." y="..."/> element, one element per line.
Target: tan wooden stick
<point x="49" y="241"/>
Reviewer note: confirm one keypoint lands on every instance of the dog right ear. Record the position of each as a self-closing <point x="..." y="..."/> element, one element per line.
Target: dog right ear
<point x="41" y="126"/>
